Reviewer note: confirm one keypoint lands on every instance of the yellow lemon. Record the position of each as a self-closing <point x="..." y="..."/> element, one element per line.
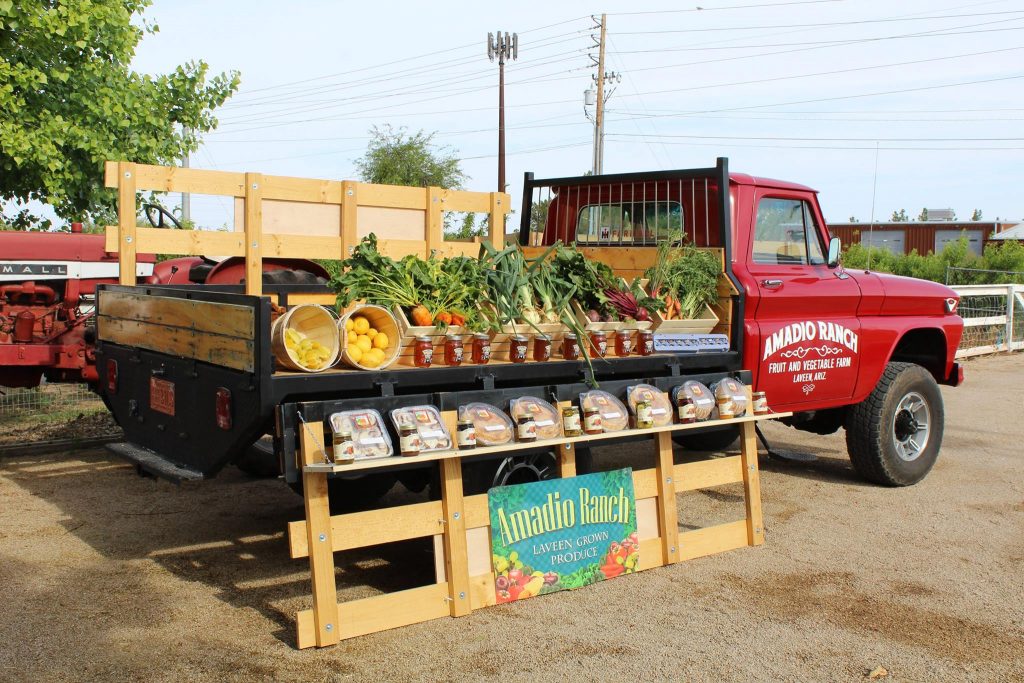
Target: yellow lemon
<point x="360" y="324"/>
<point x="355" y="353"/>
<point x="380" y="341"/>
<point x="352" y="336"/>
<point x="349" y="324"/>
<point x="370" y="361"/>
<point x="363" y="342"/>
<point x="371" y="333"/>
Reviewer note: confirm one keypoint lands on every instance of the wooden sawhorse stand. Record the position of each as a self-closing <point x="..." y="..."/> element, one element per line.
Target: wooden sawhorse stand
<point x="460" y="527"/>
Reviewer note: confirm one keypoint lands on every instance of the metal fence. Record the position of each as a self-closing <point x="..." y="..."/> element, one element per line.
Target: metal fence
<point x="48" y="399"/>
<point x="993" y="319"/>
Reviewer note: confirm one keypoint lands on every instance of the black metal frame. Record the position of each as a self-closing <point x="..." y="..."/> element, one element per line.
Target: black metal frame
<point x="719" y="172"/>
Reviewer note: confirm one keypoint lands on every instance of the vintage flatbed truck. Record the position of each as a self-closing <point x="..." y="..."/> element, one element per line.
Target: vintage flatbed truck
<point x="189" y="373"/>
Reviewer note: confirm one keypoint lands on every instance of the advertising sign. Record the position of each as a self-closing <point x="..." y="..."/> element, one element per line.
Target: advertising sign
<point x="561" y="534"/>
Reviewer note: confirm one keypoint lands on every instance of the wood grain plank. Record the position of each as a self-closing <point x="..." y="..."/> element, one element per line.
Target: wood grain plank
<point x="253" y="226"/>
<point x="711" y="540"/>
<point x="230" y="320"/>
<point x="455" y="553"/>
<point x="373" y="527"/>
<point x="318" y="538"/>
<point x="668" y="516"/>
<point x="127" y="184"/>
<point x="704" y="474"/>
<point x="751" y="485"/>
<point x="231" y="352"/>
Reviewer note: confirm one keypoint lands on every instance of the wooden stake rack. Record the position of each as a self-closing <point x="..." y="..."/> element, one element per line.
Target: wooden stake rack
<point x="460" y="527"/>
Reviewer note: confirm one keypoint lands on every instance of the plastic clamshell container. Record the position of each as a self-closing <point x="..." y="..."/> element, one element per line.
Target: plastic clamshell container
<point x="427" y="420"/>
<point x="547" y="418"/>
<point x="369" y="434"/>
<point x="703" y="399"/>
<point x="614" y="416"/>
<point x="735" y="391"/>
<point x="493" y="427"/>
<point x="661" y="406"/>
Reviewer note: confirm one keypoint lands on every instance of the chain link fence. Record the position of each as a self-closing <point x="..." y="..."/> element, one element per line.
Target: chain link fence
<point x="51" y="401"/>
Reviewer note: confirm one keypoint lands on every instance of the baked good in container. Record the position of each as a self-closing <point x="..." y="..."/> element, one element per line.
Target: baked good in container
<point x="614" y="417"/>
<point x="545" y="416"/>
<point x="493" y="427"/>
<point x="703" y="399"/>
<point x="369" y="435"/>
<point x="661" y="407"/>
<point x="735" y="391"/>
<point x="427" y="420"/>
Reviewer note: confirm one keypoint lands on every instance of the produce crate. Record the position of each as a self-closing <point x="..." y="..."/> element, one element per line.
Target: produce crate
<point x="590" y="326"/>
<point x="702" y="324"/>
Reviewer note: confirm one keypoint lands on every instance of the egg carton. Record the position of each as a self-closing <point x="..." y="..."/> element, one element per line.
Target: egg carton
<point x="691" y="343"/>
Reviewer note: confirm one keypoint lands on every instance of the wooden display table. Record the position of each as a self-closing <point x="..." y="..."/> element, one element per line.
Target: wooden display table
<point x="460" y="526"/>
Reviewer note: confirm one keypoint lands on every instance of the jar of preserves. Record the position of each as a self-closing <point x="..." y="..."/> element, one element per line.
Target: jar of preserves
<point x="644" y="416"/>
<point x="517" y="349"/>
<point x="526" y="428"/>
<point x="571" y="425"/>
<point x="726" y="408"/>
<point x="760" y="403"/>
<point x="423" y="352"/>
<point x="541" y="348"/>
<point x="599" y="340"/>
<point x="570" y="347"/>
<point x="645" y="342"/>
<point x="686" y="409"/>
<point x="409" y="442"/>
<point x="466" y="434"/>
<point x="623" y="343"/>
<point x="481" y="349"/>
<point x="344" y="448"/>
<point x="453" y="350"/>
<point x="592" y="421"/>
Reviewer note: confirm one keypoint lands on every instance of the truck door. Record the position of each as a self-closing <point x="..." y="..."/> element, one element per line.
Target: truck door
<point x="806" y="312"/>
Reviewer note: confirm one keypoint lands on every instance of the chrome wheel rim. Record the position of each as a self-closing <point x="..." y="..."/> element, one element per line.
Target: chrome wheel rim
<point x="911" y="427"/>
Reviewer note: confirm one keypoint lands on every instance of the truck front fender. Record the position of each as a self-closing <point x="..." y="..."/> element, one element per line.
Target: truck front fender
<point x="930" y="342"/>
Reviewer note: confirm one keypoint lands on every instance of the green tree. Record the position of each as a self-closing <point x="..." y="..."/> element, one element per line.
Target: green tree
<point x="976" y="216"/>
<point x="394" y="157"/>
<point x="69" y="100"/>
<point x="899" y="216"/>
<point x="923" y="216"/>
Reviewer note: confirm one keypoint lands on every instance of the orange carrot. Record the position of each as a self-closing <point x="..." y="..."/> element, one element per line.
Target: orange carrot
<point x="421" y="316"/>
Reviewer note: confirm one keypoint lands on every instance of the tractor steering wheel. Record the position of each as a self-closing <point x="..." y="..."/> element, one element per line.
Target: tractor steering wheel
<point x="155" y="214"/>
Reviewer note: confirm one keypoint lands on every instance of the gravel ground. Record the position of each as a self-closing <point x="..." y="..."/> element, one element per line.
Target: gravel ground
<point x="108" y="576"/>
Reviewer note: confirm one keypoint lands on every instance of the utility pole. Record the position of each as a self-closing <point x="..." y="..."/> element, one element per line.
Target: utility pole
<point x="503" y="46"/>
<point x="601" y="99"/>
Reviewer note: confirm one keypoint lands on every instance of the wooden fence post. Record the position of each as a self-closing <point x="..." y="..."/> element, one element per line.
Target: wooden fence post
<point x="253" y="226"/>
<point x="126" y="218"/>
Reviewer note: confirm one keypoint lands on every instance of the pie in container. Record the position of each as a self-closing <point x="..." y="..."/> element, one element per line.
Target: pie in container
<point x="547" y="419"/>
<point x="493" y="427"/>
<point x="703" y="399"/>
<point x="661" y="407"/>
<point x="735" y="391"/>
<point x="369" y="435"/>
<point x="614" y="417"/>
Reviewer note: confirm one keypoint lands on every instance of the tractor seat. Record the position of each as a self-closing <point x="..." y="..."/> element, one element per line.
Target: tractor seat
<point x="200" y="271"/>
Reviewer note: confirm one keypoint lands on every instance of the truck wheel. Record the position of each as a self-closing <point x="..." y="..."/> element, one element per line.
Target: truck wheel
<point x="894" y="435"/>
<point x="354" y="495"/>
<point x="259" y="460"/>
<point x="479" y="477"/>
<point x="712" y="439"/>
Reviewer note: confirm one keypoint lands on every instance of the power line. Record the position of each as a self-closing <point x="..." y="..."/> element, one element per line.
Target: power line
<point x="832" y="147"/>
<point x="728" y="7"/>
<point x="803" y="139"/>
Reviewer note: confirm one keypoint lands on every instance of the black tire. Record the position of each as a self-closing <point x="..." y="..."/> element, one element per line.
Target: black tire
<point x="711" y="439"/>
<point x="260" y="460"/>
<point x="884" y="434"/>
<point x="481" y="476"/>
<point x="354" y="495"/>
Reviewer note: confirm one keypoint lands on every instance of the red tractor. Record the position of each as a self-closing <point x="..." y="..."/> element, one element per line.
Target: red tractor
<point x="48" y="284"/>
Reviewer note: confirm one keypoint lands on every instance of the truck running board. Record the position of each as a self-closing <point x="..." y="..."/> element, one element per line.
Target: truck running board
<point x="152" y="463"/>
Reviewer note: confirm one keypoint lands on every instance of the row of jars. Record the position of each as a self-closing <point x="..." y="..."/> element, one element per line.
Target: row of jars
<point x="519" y="347"/>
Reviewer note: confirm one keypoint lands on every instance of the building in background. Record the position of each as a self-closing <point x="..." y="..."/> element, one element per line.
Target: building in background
<point x="924" y="236"/>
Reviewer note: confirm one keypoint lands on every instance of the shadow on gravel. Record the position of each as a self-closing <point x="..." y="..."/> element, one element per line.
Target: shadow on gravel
<point x="227" y="533"/>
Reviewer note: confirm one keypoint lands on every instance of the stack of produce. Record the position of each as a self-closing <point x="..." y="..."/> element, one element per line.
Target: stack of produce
<point x="602" y="295"/>
<point x="310" y="354"/>
<point x="365" y="345"/>
<point x="685" y="280"/>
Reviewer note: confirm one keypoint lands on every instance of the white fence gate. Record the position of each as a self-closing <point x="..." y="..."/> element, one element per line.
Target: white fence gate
<point x="993" y="319"/>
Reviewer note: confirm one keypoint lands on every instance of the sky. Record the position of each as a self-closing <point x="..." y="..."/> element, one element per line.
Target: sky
<point x="820" y="92"/>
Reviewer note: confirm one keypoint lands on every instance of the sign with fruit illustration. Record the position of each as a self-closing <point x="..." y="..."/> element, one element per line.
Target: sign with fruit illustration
<point x="561" y="534"/>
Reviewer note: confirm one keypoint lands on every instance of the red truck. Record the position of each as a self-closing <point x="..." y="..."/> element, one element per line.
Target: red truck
<point x="854" y="350"/>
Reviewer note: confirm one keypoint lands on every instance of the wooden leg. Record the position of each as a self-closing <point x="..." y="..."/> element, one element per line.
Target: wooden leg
<point x="456" y="556"/>
<point x="567" y="460"/>
<point x="318" y="529"/>
<point x="751" y="484"/>
<point x="668" y="518"/>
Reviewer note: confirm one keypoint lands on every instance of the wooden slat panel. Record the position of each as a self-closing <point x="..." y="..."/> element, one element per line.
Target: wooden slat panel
<point x="751" y="484"/>
<point x="379" y="613"/>
<point x="253" y="228"/>
<point x="706" y="473"/>
<point x="325" y="629"/>
<point x="645" y="483"/>
<point x="456" y="557"/>
<point x="396" y="249"/>
<point x="127" y="242"/>
<point x="202" y="242"/>
<point x="230" y="320"/>
<point x="470" y="249"/>
<point x="460" y="200"/>
<point x="711" y="540"/>
<point x="173" y="179"/>
<point x="650" y="554"/>
<point x="229" y="352"/>
<point x="433" y="218"/>
<point x="302" y="189"/>
<point x="392" y="196"/>
<point x="668" y="516"/>
<point x="477" y="513"/>
<point x="647" y="518"/>
<point x="322" y="299"/>
<point x="500" y="203"/>
<point x="373" y="527"/>
<point x="350" y="193"/>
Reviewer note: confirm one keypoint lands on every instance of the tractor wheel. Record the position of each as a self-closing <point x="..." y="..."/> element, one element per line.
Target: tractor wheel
<point x="711" y="439"/>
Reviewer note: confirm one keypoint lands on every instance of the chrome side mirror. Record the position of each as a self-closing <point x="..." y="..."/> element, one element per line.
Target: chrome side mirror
<point x="834" y="246"/>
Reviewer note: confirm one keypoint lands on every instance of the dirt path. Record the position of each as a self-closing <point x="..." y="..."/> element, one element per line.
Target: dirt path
<point x="108" y="576"/>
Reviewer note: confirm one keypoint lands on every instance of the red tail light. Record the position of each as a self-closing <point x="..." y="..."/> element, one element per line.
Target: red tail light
<point x="224" y="408"/>
<point x="111" y="376"/>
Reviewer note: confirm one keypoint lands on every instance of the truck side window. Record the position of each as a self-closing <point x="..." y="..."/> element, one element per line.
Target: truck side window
<point x="786" y="234"/>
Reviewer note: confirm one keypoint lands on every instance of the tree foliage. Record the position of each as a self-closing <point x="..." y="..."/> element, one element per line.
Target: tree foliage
<point x="976" y="216"/>
<point x="899" y="216"/>
<point x="1000" y="263"/>
<point x="69" y="100"/>
<point x="394" y="157"/>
